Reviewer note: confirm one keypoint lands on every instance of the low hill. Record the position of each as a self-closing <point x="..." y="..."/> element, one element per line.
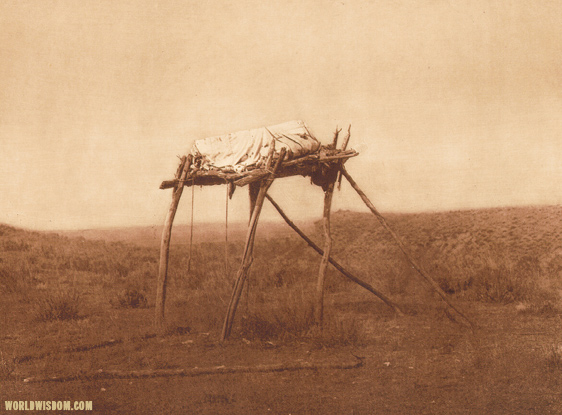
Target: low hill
<point x="458" y="248"/>
<point x="498" y="255"/>
<point x="72" y="305"/>
<point x="514" y="233"/>
<point x="202" y="232"/>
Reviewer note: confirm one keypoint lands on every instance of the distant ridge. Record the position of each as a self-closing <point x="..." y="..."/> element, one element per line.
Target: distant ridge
<point x="515" y="232"/>
<point x="202" y="232"/>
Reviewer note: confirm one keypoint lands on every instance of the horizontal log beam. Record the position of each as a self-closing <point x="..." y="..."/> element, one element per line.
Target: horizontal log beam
<point x="196" y="371"/>
<point x="297" y="167"/>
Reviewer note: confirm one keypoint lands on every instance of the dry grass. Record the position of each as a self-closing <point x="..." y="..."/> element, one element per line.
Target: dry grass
<point x="130" y="298"/>
<point x="497" y="255"/>
<point x="60" y="305"/>
<point x="7" y="366"/>
<point x="502" y="265"/>
<point x="554" y="357"/>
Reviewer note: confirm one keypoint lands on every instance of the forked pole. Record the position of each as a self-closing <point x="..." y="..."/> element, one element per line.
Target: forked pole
<point x="181" y="175"/>
<point x="403" y="248"/>
<point x="346" y="273"/>
<point x="328" y="194"/>
<point x="344" y="146"/>
<point x="248" y="248"/>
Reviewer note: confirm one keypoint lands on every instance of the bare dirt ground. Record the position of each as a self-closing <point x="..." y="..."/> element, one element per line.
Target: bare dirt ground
<point x="71" y="306"/>
<point x="416" y="364"/>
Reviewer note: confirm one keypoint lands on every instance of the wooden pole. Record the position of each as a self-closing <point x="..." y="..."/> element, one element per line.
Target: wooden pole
<point x="181" y="174"/>
<point x="191" y="231"/>
<point x="346" y="139"/>
<point x="335" y="139"/>
<point x="248" y="249"/>
<point x="253" y="190"/>
<point x="319" y="310"/>
<point x="197" y="371"/>
<point x="228" y="187"/>
<point x="344" y="147"/>
<point x="334" y="263"/>
<point x="328" y="193"/>
<point x="403" y="248"/>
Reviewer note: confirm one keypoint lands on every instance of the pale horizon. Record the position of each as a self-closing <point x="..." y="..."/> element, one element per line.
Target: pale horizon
<point x="453" y="106"/>
<point x="276" y="219"/>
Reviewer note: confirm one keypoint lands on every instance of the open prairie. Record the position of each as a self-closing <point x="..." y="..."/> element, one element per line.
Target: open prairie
<point x="72" y="305"/>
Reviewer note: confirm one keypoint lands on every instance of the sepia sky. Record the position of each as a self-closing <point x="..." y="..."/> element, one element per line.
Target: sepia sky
<point x="453" y="104"/>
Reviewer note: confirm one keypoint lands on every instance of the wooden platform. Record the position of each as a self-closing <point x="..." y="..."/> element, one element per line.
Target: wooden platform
<point x="309" y="165"/>
<point x="325" y="167"/>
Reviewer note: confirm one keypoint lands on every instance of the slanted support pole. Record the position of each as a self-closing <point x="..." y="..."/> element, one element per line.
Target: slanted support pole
<point x="346" y="273"/>
<point x="248" y="249"/>
<point x="319" y="310"/>
<point x="181" y="175"/>
<point x="411" y="260"/>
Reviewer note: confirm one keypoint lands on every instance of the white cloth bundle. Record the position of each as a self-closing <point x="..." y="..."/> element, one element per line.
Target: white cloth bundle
<point x="239" y="150"/>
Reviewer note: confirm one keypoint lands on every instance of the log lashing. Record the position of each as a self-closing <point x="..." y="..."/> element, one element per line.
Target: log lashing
<point x="320" y="166"/>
